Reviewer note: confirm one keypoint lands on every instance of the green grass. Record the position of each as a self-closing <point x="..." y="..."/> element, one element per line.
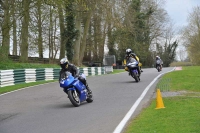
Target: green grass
<point x="173" y="64"/>
<point x="117" y="71"/>
<point x="181" y="113"/>
<point x="22" y="85"/>
<point x="187" y="79"/>
<point x="11" y="65"/>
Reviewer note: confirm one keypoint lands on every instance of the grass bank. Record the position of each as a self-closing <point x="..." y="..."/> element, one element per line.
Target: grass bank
<point x="11" y="65"/>
<point x="181" y="113"/>
<point x="173" y="64"/>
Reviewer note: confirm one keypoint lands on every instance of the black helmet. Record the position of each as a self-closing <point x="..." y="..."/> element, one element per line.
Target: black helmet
<point x="64" y="63"/>
<point x="128" y="51"/>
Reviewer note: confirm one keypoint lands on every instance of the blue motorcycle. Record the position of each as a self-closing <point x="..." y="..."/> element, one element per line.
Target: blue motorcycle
<point x="75" y="89"/>
<point x="133" y="69"/>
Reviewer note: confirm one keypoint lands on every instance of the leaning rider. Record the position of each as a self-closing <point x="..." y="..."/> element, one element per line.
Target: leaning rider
<point x="66" y="66"/>
<point x="129" y="54"/>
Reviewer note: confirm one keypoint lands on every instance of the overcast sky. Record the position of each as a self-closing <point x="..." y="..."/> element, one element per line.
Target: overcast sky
<point x="178" y="10"/>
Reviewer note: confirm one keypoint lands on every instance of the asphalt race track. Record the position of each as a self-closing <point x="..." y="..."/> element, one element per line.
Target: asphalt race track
<point x="46" y="108"/>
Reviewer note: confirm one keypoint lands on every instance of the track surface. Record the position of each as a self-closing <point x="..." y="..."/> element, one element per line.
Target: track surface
<point x="46" y="108"/>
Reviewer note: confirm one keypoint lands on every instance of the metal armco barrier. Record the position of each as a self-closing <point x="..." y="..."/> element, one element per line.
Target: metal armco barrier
<point x="16" y="76"/>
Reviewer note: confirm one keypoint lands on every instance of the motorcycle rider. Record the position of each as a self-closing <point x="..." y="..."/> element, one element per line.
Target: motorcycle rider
<point x="161" y="62"/>
<point x="129" y="54"/>
<point x="66" y="66"/>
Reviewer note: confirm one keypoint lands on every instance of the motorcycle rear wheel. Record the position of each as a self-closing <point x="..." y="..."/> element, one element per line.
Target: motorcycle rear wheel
<point x="75" y="100"/>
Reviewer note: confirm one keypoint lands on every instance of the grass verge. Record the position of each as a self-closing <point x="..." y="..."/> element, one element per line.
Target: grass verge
<point x="12" y="65"/>
<point x="181" y="113"/>
<point x="22" y="85"/>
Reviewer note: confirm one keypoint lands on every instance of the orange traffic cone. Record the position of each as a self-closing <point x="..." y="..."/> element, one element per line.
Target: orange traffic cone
<point x="159" y="101"/>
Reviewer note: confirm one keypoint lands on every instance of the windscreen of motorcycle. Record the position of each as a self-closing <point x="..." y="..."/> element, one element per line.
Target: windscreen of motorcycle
<point x="158" y="61"/>
<point x="65" y="75"/>
<point x="131" y="60"/>
<point x="67" y="80"/>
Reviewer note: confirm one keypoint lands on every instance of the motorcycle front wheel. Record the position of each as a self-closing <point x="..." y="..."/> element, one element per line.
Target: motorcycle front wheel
<point x="136" y="77"/>
<point x="74" y="98"/>
<point x="158" y="68"/>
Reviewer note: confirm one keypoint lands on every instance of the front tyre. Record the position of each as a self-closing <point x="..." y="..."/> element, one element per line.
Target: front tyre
<point x="136" y="77"/>
<point x="74" y="98"/>
<point x="158" y="68"/>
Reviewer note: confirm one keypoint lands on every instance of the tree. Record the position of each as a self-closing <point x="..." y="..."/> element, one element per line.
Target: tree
<point x="25" y="33"/>
<point x="13" y="11"/>
<point x="85" y="33"/>
<point x="39" y="24"/>
<point x="135" y="32"/>
<point x="168" y="53"/>
<point x="81" y="29"/>
<point x="78" y="39"/>
<point x="70" y="32"/>
<point x="182" y="54"/>
<point x="191" y="35"/>
<point x="62" y="29"/>
<point x="5" y="28"/>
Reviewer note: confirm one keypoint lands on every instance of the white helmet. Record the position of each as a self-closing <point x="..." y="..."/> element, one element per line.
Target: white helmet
<point x="128" y="51"/>
<point x="64" y="63"/>
<point x="157" y="57"/>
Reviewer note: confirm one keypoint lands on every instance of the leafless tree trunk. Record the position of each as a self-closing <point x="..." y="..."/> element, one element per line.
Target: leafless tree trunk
<point x="13" y="10"/>
<point x="62" y="27"/>
<point x="78" y="40"/>
<point x="101" y="45"/>
<point x="51" y="36"/>
<point x="85" y="33"/>
<point x="25" y="33"/>
<point x="40" y="45"/>
<point x="6" y="28"/>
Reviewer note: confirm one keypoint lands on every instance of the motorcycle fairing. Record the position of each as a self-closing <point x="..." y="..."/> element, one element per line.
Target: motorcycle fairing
<point x="71" y="83"/>
<point x="81" y="88"/>
<point x="67" y="81"/>
<point x="135" y="71"/>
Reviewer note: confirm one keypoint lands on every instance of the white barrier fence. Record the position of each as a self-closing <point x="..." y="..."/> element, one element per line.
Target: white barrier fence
<point x="16" y="76"/>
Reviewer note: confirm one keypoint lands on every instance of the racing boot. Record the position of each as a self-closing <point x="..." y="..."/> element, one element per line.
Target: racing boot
<point x="88" y="89"/>
<point x="139" y="71"/>
<point x="129" y="73"/>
